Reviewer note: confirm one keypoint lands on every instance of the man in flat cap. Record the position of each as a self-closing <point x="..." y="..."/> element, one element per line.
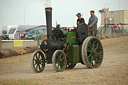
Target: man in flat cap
<point x="92" y="24"/>
<point x="80" y="19"/>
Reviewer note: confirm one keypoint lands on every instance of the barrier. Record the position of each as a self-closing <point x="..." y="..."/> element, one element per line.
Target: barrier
<point x="16" y="44"/>
<point x="15" y="40"/>
<point x="111" y="31"/>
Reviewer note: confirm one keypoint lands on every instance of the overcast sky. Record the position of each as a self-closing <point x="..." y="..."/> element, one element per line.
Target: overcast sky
<point x="15" y="12"/>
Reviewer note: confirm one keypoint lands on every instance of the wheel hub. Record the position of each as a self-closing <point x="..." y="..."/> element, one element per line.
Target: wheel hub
<point x="93" y="52"/>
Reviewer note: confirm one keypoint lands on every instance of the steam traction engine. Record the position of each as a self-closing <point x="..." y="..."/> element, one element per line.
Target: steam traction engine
<point x="64" y="49"/>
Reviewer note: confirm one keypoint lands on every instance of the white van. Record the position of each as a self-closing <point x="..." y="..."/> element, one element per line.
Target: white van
<point x="5" y="31"/>
<point x="13" y="32"/>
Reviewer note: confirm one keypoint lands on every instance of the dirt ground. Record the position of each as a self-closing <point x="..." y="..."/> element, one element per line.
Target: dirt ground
<point x="113" y="71"/>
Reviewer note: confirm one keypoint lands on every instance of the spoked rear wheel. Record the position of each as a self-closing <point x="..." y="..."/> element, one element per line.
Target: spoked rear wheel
<point x="59" y="60"/>
<point x="92" y="52"/>
<point x="38" y="61"/>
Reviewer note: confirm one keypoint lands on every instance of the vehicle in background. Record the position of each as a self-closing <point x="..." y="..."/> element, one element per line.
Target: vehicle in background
<point x="5" y="31"/>
<point x="19" y="32"/>
<point x="35" y="34"/>
<point x="12" y="32"/>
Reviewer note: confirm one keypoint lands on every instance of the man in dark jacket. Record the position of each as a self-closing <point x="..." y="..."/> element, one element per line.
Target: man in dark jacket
<point x="80" y="19"/>
<point x="92" y="24"/>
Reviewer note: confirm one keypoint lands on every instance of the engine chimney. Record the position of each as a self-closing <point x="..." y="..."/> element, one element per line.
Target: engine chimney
<point x="49" y="21"/>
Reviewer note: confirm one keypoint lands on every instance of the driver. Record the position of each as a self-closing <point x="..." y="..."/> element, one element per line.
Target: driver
<point x="80" y="19"/>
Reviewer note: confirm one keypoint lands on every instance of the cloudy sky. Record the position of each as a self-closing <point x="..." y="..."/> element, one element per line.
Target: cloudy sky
<point x="31" y="12"/>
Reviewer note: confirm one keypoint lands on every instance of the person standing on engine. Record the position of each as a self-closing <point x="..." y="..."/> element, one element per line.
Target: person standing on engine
<point x="80" y="20"/>
<point x="92" y="24"/>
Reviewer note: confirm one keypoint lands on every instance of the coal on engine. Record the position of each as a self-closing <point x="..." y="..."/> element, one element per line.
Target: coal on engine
<point x="56" y="41"/>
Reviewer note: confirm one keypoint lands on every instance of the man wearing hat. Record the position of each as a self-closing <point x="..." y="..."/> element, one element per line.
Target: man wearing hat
<point x="80" y="19"/>
<point x="92" y="24"/>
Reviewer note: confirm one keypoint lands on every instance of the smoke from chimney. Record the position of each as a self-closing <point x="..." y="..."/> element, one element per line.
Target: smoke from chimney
<point x="47" y="3"/>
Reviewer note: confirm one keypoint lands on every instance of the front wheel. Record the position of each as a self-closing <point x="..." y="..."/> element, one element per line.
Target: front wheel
<point x="38" y="61"/>
<point x="59" y="60"/>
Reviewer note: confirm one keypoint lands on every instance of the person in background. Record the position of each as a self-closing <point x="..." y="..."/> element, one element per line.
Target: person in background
<point x="92" y="24"/>
<point x="120" y="28"/>
<point x="80" y="19"/>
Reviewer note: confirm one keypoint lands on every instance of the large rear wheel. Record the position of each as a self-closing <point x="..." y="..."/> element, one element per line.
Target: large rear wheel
<point x="38" y="61"/>
<point x="59" y="60"/>
<point x="92" y="52"/>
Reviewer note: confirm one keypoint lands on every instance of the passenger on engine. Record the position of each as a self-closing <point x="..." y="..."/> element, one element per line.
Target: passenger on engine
<point x="80" y="19"/>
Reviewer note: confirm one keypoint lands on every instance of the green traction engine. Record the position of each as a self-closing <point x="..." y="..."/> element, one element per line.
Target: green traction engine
<point x="64" y="49"/>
